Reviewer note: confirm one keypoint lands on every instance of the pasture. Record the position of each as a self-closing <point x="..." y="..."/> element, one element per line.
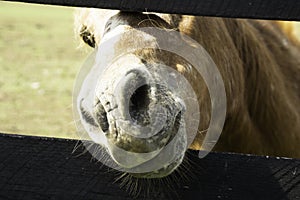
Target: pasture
<point x="39" y="61"/>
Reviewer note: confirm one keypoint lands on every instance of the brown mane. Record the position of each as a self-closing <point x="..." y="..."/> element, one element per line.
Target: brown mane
<point x="261" y="71"/>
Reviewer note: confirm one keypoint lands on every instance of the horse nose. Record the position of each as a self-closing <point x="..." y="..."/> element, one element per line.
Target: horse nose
<point x="132" y="97"/>
<point x="136" y="93"/>
<point x="139" y="105"/>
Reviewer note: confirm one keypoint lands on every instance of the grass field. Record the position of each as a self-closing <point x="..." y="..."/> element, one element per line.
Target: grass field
<point x="38" y="65"/>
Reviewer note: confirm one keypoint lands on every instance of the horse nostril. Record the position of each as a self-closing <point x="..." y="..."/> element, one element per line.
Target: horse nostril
<point x="139" y="105"/>
<point x="101" y="117"/>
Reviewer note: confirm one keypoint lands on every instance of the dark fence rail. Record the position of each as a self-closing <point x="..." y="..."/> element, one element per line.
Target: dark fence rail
<point x="45" y="168"/>
<point x="258" y="9"/>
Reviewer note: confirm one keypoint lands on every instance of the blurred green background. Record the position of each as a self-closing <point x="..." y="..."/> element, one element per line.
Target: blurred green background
<point x="39" y="61"/>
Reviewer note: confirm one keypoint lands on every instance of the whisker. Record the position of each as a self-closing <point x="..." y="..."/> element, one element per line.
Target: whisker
<point x="77" y="145"/>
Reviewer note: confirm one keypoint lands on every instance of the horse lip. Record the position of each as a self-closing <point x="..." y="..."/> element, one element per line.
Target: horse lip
<point x="160" y="173"/>
<point x="163" y="137"/>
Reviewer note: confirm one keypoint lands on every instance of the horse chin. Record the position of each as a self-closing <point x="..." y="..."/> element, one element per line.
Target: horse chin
<point x="160" y="173"/>
<point x="155" y="164"/>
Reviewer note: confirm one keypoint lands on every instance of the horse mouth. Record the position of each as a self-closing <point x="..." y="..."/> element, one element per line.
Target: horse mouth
<point x="138" y="127"/>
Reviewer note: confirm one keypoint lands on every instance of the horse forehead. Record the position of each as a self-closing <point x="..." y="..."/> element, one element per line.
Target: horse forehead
<point x="166" y="17"/>
<point x="101" y="17"/>
<point x="107" y="19"/>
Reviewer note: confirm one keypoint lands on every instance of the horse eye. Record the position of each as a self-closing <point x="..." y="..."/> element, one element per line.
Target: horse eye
<point x="90" y="40"/>
<point x="87" y="37"/>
